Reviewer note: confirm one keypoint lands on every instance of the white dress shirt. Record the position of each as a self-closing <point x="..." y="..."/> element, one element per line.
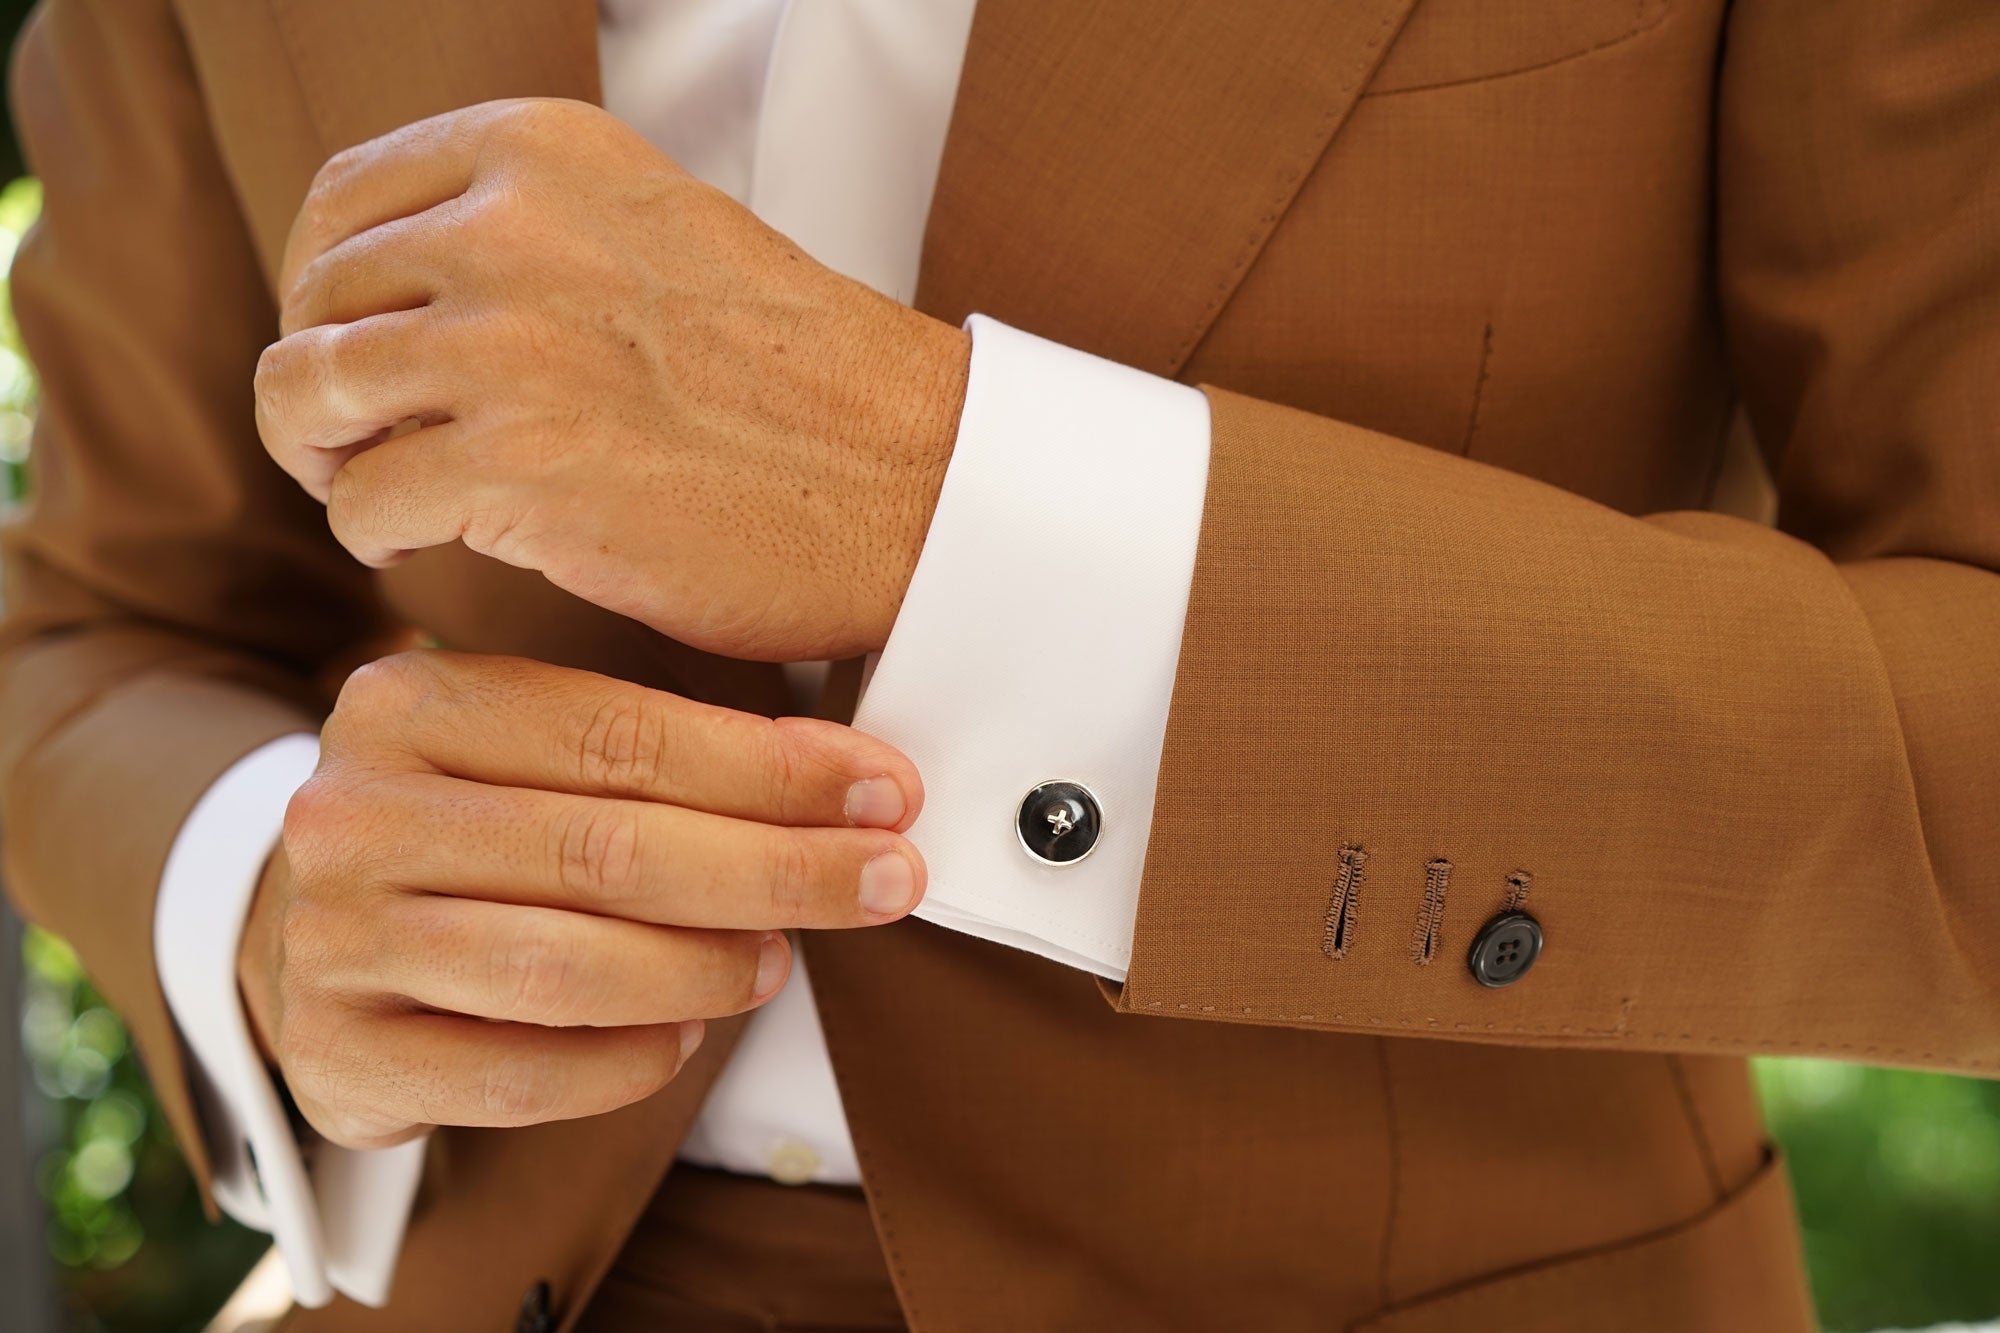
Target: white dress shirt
<point x="1037" y="641"/>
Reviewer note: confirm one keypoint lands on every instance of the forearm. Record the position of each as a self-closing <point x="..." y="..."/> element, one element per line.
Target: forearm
<point x="1676" y="734"/>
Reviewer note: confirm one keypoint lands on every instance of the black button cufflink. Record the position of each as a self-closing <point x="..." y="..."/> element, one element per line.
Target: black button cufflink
<point x="1058" y="822"/>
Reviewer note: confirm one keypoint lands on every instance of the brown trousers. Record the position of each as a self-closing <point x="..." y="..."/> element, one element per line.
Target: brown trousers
<point x="720" y="1253"/>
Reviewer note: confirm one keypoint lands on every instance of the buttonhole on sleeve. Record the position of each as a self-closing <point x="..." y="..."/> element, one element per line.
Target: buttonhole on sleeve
<point x="1339" y="933"/>
<point x="1437" y="881"/>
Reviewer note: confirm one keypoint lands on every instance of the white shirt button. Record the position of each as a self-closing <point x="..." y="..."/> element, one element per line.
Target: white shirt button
<point x="792" y="1162"/>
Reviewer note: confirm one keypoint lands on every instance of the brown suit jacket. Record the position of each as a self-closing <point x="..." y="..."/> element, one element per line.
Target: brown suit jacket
<point x="1481" y="285"/>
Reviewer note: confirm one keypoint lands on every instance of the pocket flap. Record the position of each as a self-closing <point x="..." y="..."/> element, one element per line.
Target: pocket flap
<point x="1736" y="1268"/>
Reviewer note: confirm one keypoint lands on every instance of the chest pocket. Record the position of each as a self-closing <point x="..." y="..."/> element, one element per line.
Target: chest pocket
<point x="1459" y="41"/>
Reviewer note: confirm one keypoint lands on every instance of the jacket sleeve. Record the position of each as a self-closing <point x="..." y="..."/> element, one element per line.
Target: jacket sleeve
<point x="1748" y="780"/>
<point x="171" y="596"/>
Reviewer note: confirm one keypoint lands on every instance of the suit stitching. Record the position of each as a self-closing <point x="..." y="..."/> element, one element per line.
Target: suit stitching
<point x="288" y="43"/>
<point x="1338" y="934"/>
<point x="1395" y="1170"/>
<point x="892" y="1254"/>
<point x="1289" y="187"/>
<point x="1563" y="1265"/>
<point x="1517" y="891"/>
<point x="1437" y="882"/>
<point x="1642" y="27"/>
<point x="1677" y="1070"/>
<point x="1618" y="1032"/>
<point x="1478" y="391"/>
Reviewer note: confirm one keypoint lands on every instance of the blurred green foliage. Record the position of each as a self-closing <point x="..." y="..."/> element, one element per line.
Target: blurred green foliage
<point x="1897" y="1174"/>
<point x="20" y="201"/>
<point x="1898" y="1182"/>
<point x="125" y="1225"/>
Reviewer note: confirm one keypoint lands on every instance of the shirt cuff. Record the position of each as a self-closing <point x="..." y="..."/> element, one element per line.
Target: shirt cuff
<point x="343" y="1235"/>
<point x="1039" y="637"/>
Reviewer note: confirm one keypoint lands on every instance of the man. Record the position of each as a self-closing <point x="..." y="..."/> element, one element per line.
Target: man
<point x="1368" y="809"/>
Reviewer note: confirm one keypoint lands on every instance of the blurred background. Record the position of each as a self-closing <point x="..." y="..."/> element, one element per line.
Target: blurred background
<point x="1897" y="1174"/>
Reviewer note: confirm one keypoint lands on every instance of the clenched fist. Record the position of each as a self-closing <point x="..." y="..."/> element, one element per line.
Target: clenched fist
<point x="512" y="892"/>
<point x="617" y="376"/>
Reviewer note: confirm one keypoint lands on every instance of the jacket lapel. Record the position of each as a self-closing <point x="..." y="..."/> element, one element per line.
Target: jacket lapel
<point x="1112" y="171"/>
<point x="1114" y="168"/>
<point x="367" y="66"/>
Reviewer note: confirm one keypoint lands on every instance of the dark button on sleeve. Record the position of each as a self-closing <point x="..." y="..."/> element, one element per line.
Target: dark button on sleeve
<point x="1505" y="948"/>
<point x="1059" y="822"/>
<point x="535" y="1316"/>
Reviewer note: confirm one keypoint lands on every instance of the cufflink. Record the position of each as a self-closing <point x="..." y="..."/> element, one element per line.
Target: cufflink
<point x="1058" y="822"/>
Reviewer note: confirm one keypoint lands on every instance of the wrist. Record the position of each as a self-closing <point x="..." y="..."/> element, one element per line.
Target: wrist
<point x="259" y="953"/>
<point x="931" y="382"/>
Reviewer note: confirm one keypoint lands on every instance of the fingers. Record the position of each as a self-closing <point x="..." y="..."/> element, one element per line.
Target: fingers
<point x="444" y="1069"/>
<point x="325" y="390"/>
<point x="566" y="969"/>
<point x="399" y="265"/>
<point x="406" y="493"/>
<point x="516" y="723"/>
<point x="400" y="174"/>
<point x="638" y="860"/>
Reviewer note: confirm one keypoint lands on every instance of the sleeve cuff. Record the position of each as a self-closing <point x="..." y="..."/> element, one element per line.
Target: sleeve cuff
<point x="1039" y="638"/>
<point x="344" y="1235"/>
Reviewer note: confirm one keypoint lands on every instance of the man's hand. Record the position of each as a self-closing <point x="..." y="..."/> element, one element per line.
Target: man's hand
<point x="619" y="376"/>
<point x="512" y="892"/>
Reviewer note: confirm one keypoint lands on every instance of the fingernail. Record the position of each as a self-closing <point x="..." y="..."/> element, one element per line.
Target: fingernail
<point x="875" y="803"/>
<point x="692" y="1032"/>
<point x="888" y="884"/>
<point x="773" y="962"/>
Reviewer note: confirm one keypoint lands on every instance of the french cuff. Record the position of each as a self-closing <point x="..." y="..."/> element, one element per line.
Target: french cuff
<point x="1029" y="672"/>
<point x="340" y="1224"/>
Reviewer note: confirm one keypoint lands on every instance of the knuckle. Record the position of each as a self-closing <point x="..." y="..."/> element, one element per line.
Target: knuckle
<point x="314" y="816"/>
<point x="496" y="527"/>
<point x="790" y="871"/>
<point x="314" y="278"/>
<point x="501" y="219"/>
<point x="347" y="1127"/>
<point x="597" y="851"/>
<point x="312" y="1054"/>
<point x="789" y="748"/>
<point x="622" y="743"/>
<point x="327" y="352"/>
<point x="495" y="207"/>
<point x="333" y="173"/>
<point x="394" y="685"/>
<point x="303" y="945"/>
<point x="653" y="1066"/>
<point x="341" y="1091"/>
<point x="346" y="1113"/>
<point x="533" y="976"/>
<point x="499" y="209"/>
<point x="342" y="831"/>
<point x="808" y="766"/>
<point x="294" y="375"/>
<point x="347" y="508"/>
<point x="527" y="119"/>
<point x="314" y="226"/>
<point x="518" y="1090"/>
<point x="277" y="367"/>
